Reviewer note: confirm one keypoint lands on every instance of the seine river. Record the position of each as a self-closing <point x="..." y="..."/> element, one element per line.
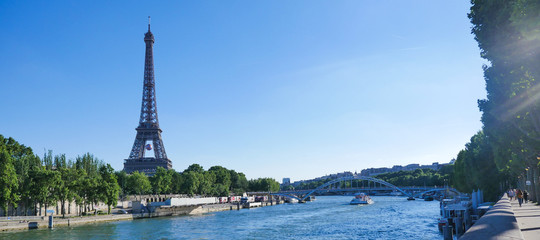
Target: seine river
<point x="329" y="217"/>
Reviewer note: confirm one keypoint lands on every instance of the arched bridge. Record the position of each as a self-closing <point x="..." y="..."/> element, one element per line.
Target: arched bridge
<point x="302" y="196"/>
<point x="455" y="191"/>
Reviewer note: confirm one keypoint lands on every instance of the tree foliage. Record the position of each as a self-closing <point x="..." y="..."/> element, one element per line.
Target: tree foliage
<point x="162" y="181"/>
<point x="86" y="180"/>
<point x="417" y="177"/>
<point x="475" y="168"/>
<point x="263" y="185"/>
<point x="109" y="189"/>
<point x="508" y="34"/>
<point x="139" y="183"/>
<point x="8" y="180"/>
<point x="44" y="182"/>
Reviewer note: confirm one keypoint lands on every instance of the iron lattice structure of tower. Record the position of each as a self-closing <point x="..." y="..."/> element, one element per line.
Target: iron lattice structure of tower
<point x="148" y="129"/>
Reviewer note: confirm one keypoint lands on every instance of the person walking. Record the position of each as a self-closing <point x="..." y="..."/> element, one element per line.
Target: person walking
<point x="519" y="196"/>
<point x="525" y="196"/>
<point x="511" y="194"/>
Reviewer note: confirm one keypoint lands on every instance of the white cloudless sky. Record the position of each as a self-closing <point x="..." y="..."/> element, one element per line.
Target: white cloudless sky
<point x="295" y="89"/>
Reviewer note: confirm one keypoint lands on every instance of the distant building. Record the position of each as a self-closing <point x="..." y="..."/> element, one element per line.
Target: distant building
<point x="396" y="168"/>
<point x="286" y="181"/>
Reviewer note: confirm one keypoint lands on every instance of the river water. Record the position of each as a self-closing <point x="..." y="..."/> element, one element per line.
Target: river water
<point x="329" y="217"/>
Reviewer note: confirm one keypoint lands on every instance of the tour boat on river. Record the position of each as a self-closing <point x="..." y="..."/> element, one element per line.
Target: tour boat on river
<point x="361" y="198"/>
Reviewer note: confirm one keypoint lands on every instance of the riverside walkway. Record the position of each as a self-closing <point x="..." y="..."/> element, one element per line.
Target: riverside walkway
<point x="507" y="220"/>
<point x="528" y="219"/>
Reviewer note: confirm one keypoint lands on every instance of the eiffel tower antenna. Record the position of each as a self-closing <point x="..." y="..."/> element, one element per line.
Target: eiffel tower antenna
<point x="148" y="129"/>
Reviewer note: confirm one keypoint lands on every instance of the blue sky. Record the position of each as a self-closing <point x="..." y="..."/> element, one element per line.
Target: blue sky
<point x="276" y="89"/>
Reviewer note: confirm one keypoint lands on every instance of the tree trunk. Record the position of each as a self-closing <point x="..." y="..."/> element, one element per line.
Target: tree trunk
<point x="63" y="208"/>
<point x="26" y="206"/>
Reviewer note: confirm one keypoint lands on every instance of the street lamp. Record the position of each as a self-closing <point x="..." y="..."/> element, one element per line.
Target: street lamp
<point x="527" y="182"/>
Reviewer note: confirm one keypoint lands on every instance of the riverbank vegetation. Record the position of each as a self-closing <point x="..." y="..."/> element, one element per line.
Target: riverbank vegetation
<point x="419" y="177"/>
<point x="506" y="152"/>
<point x="30" y="183"/>
<point x="216" y="181"/>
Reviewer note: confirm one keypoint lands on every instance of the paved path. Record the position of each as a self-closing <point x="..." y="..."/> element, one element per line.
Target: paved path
<point x="498" y="223"/>
<point x="528" y="219"/>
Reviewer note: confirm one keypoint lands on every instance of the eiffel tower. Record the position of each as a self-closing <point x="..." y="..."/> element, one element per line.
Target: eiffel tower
<point x="148" y="129"/>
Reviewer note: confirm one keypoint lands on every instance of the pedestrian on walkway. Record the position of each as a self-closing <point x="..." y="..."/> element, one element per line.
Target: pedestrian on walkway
<point x="525" y="196"/>
<point x="511" y="194"/>
<point x="519" y="195"/>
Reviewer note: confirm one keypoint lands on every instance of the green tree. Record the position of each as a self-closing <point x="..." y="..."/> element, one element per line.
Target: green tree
<point x="78" y="186"/>
<point x="263" y="185"/>
<point x="162" y="181"/>
<point x="73" y="179"/>
<point x="191" y="182"/>
<point x="24" y="162"/>
<point x="90" y="191"/>
<point x="195" y="168"/>
<point x="44" y="185"/>
<point x="220" y="190"/>
<point x="239" y="182"/>
<point x="109" y="188"/>
<point x="177" y="183"/>
<point x="48" y="160"/>
<point x="476" y="169"/>
<point x="418" y="177"/>
<point x="222" y="176"/>
<point x="507" y="34"/>
<point x="206" y="180"/>
<point x="139" y="183"/>
<point x="122" y="178"/>
<point x="63" y="190"/>
<point x="8" y="181"/>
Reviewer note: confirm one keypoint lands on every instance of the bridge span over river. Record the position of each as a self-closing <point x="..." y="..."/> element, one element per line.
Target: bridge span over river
<point x="333" y="187"/>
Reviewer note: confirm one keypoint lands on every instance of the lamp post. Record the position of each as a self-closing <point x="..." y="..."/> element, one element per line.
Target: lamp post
<point x="527" y="181"/>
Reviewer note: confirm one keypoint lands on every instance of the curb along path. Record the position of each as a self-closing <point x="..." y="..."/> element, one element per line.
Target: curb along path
<point x="498" y="223"/>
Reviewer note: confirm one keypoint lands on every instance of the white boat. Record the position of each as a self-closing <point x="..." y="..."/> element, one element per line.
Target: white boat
<point x="291" y="200"/>
<point x="361" y="198"/>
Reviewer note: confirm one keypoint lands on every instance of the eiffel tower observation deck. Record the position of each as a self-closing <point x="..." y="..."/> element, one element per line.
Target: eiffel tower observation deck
<point x="148" y="132"/>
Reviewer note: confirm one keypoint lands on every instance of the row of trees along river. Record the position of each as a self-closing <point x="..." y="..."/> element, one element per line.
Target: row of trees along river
<point x="506" y="152"/>
<point x="28" y="181"/>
